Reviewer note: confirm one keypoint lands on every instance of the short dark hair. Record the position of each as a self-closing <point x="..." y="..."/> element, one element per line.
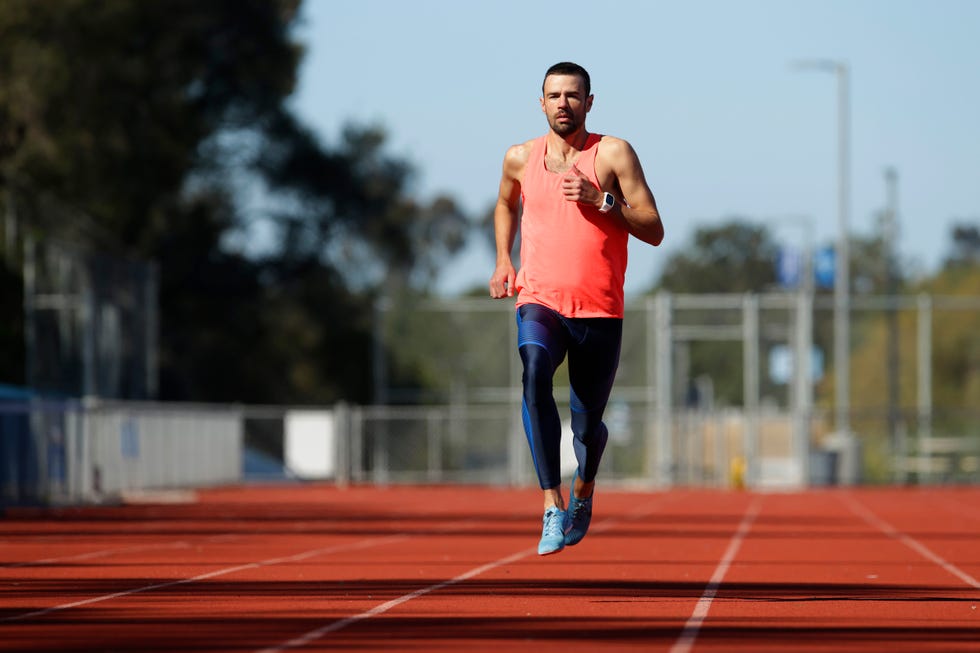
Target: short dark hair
<point x="569" y="68"/>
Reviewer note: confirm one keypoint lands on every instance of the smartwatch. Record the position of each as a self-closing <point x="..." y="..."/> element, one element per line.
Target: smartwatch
<point x="608" y="201"/>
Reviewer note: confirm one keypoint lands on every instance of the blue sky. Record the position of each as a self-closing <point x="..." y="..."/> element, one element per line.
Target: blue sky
<point x="703" y="89"/>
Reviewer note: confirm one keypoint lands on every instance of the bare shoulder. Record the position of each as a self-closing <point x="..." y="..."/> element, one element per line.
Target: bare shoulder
<point x="613" y="149"/>
<point x="519" y="153"/>
<point x="516" y="158"/>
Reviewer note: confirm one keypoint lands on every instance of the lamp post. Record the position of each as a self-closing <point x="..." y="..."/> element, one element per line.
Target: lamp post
<point x="842" y="336"/>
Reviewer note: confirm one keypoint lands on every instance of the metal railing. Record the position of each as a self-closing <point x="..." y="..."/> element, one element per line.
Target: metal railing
<point x="55" y="452"/>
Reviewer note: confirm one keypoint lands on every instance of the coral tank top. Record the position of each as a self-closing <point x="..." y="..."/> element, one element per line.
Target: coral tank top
<point x="573" y="258"/>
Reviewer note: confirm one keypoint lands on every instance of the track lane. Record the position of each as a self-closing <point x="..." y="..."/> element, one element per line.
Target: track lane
<point x="350" y="578"/>
<point x="693" y="625"/>
<point x="490" y="601"/>
<point x="809" y="574"/>
<point x="816" y="576"/>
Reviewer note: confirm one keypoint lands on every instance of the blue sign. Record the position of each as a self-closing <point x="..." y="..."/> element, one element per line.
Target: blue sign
<point x="824" y="264"/>
<point x="789" y="267"/>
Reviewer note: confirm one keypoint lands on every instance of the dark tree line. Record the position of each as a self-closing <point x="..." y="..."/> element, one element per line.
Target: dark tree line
<point x="165" y="124"/>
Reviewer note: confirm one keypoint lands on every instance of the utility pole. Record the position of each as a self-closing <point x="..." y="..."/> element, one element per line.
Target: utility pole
<point x="842" y="282"/>
<point x="889" y="229"/>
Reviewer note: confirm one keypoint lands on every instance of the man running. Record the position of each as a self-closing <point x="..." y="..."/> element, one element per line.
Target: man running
<point x="576" y="198"/>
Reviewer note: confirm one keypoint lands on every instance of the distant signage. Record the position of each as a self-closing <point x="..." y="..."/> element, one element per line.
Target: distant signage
<point x="823" y="267"/>
<point x="781" y="364"/>
<point x="789" y="267"/>
<point x="129" y="439"/>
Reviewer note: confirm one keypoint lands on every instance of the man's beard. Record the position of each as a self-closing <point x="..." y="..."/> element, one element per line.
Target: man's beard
<point x="564" y="128"/>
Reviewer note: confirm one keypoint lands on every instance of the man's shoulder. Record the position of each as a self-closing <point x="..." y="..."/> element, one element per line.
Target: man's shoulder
<point x="522" y="150"/>
<point x="517" y="155"/>
<point x="613" y="144"/>
<point x="615" y="152"/>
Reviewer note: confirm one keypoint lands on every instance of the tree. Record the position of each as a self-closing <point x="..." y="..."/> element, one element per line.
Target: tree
<point x="965" y="245"/>
<point x="160" y="121"/>
<point x="115" y="98"/>
<point x="734" y="257"/>
<point x="351" y="207"/>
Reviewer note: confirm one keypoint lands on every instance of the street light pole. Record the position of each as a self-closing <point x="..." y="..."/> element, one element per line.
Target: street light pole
<point x="842" y="294"/>
<point x="842" y="303"/>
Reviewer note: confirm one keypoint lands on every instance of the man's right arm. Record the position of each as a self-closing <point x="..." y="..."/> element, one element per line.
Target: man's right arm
<point x="505" y="220"/>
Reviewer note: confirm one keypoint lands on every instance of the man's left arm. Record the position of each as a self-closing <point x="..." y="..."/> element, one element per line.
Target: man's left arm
<point x="637" y="207"/>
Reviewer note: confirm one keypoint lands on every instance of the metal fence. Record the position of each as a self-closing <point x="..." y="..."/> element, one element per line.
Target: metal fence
<point x="708" y="448"/>
<point x="55" y="452"/>
<point x="914" y="377"/>
<point x="667" y="426"/>
<point x="89" y="317"/>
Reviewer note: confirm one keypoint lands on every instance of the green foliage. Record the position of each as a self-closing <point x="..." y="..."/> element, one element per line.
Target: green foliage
<point x="956" y="341"/>
<point x="352" y="205"/>
<point x="440" y="350"/>
<point x="955" y="370"/>
<point x="733" y="257"/>
<point x="114" y="98"/>
<point x="965" y="245"/>
<point x="164" y="124"/>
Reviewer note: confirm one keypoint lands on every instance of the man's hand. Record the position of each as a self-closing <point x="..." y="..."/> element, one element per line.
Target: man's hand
<point x="502" y="281"/>
<point x="577" y="188"/>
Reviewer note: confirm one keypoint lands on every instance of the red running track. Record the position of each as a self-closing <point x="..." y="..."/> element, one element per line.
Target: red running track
<point x="455" y="569"/>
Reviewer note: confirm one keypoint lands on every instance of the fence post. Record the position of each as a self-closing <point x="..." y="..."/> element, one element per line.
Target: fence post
<point x="661" y="462"/>
<point x="342" y="444"/>
<point x="750" y="377"/>
<point x="925" y="380"/>
<point x="803" y="371"/>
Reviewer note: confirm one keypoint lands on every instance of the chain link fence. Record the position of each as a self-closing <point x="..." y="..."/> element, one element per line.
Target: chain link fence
<point x="716" y="391"/>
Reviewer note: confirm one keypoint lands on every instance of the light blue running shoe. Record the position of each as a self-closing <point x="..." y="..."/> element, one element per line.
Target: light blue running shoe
<point x="579" y="516"/>
<point x="553" y="532"/>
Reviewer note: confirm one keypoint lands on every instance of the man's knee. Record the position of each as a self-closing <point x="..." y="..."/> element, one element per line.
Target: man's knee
<point x="588" y="427"/>
<point x="538" y="371"/>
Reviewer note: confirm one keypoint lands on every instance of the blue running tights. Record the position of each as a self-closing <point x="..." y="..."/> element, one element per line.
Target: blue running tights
<point x="544" y="338"/>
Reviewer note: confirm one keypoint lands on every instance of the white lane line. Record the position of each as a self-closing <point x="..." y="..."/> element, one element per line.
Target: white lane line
<point x="92" y="555"/>
<point x="105" y="553"/>
<point x="362" y="544"/>
<point x="865" y="513"/>
<point x="313" y="635"/>
<point x="334" y="626"/>
<point x="352" y="546"/>
<point x="697" y="618"/>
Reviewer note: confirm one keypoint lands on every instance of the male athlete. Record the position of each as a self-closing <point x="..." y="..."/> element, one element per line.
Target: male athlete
<point x="579" y="196"/>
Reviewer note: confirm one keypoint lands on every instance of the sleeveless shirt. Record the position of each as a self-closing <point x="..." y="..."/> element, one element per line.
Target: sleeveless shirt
<point x="573" y="258"/>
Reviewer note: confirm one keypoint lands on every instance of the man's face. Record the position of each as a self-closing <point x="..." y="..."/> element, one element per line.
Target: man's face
<point x="565" y="103"/>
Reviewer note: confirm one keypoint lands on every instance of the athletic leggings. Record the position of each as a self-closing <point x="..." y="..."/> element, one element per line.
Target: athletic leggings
<point x="544" y="337"/>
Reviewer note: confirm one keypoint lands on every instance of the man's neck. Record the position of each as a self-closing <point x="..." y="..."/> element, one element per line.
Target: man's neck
<point x="568" y="144"/>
